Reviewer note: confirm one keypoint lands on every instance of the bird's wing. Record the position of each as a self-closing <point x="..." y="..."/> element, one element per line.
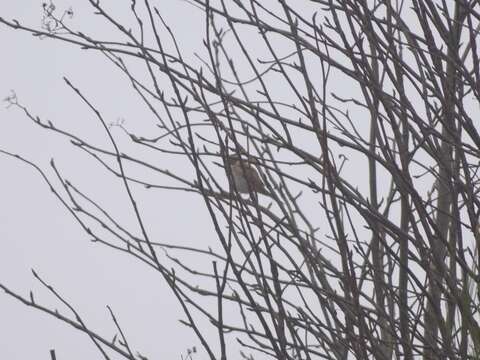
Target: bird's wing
<point x="254" y="180"/>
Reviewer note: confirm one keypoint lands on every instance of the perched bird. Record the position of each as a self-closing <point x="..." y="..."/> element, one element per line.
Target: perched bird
<point x="246" y="177"/>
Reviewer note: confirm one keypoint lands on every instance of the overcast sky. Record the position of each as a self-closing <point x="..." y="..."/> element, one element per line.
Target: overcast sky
<point x="37" y="232"/>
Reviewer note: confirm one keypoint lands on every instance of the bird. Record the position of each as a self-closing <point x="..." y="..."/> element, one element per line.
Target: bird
<point x="246" y="177"/>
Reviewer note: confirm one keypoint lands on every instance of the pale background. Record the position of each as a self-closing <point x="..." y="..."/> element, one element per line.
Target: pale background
<point x="37" y="232"/>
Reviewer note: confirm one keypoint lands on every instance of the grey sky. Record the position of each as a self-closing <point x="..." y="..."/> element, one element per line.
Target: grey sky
<point x="37" y="232"/>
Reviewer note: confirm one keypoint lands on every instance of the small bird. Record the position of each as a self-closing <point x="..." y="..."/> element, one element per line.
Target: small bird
<point x="246" y="177"/>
